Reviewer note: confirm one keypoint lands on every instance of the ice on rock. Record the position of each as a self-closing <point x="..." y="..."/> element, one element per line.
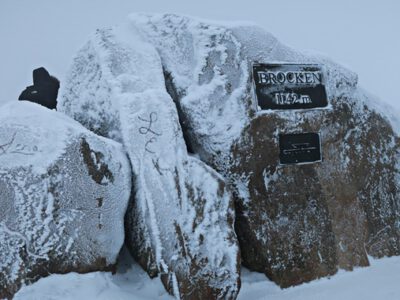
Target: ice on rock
<point x="63" y="196"/>
<point x="208" y="72"/>
<point x="294" y="223"/>
<point x="180" y="223"/>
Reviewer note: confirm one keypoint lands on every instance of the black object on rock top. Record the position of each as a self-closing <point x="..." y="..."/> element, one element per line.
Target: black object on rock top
<point x="44" y="90"/>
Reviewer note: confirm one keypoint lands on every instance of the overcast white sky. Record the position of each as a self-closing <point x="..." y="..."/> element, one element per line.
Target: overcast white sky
<point x="361" y="34"/>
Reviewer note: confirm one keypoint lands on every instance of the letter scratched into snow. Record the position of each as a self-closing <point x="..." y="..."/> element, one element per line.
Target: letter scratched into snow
<point x="145" y="130"/>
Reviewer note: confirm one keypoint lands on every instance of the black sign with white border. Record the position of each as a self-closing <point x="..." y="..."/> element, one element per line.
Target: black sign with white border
<point x="289" y="86"/>
<point x="299" y="148"/>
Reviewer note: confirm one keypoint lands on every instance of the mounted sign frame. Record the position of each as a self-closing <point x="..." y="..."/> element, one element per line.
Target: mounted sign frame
<point x="299" y="148"/>
<point x="289" y="86"/>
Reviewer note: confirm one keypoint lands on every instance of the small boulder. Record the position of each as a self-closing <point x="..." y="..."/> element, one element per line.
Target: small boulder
<point x="63" y="196"/>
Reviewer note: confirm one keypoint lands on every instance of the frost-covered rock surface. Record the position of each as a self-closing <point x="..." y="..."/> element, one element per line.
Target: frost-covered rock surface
<point x="295" y="223"/>
<point x="180" y="224"/>
<point x="63" y="196"/>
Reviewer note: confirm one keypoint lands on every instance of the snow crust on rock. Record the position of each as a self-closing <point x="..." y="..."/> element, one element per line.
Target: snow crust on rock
<point x="391" y="114"/>
<point x="55" y="214"/>
<point x="207" y="68"/>
<point x="181" y="221"/>
<point x="29" y="143"/>
<point x="121" y="86"/>
<point x="210" y="65"/>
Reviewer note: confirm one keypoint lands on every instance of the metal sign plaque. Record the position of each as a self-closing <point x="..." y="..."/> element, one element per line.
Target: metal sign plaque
<point x="299" y="148"/>
<point x="289" y="86"/>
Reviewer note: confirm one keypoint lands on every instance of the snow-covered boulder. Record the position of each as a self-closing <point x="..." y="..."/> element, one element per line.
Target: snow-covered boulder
<point x="316" y="217"/>
<point x="63" y="196"/>
<point x="180" y="224"/>
<point x="295" y="223"/>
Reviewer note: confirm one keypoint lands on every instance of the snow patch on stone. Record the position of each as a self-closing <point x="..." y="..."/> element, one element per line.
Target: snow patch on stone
<point x="53" y="213"/>
<point x="182" y="216"/>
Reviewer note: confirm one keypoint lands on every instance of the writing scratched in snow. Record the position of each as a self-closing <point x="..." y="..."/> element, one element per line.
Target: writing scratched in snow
<point x="11" y="147"/>
<point x="157" y="166"/>
<point x="149" y="131"/>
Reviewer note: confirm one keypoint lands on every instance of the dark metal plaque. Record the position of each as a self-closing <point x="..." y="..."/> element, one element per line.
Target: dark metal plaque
<point x="299" y="148"/>
<point x="289" y="86"/>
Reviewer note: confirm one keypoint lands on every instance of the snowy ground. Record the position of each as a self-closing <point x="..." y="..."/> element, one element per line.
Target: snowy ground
<point x="380" y="281"/>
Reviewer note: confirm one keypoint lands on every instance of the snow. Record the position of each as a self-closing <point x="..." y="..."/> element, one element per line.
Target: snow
<point x="130" y="283"/>
<point x="48" y="198"/>
<point x="28" y="147"/>
<point x="202" y="60"/>
<point x="387" y="111"/>
<point x="209" y="67"/>
<point x="361" y="34"/>
<point x="379" y="281"/>
<point x="116" y="88"/>
<point x="375" y="53"/>
<point x="31" y="147"/>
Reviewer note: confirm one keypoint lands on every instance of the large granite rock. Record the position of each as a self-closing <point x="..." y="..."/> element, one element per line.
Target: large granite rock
<point x="63" y="196"/>
<point x="295" y="223"/>
<point x="180" y="224"/>
<point x="316" y="217"/>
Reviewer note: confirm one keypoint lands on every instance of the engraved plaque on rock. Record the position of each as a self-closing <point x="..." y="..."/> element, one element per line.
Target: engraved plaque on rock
<point x="289" y="86"/>
<point x="299" y="148"/>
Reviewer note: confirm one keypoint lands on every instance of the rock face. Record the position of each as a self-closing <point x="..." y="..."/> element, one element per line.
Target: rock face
<point x="318" y="217"/>
<point x="180" y="224"/>
<point x="295" y="223"/>
<point x="63" y="195"/>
